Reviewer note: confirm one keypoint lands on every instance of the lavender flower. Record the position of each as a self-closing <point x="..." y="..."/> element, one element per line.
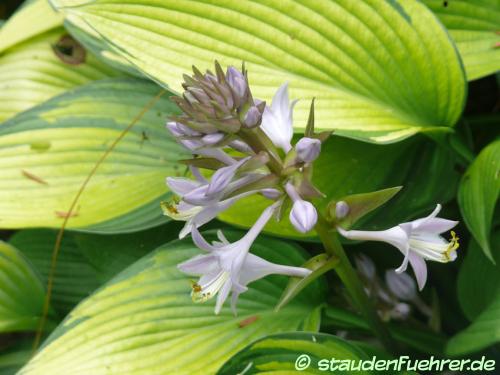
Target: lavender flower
<point x="229" y="267"/>
<point x="418" y="240"/>
<point x="277" y="121"/>
<point x="303" y="215"/>
<point x="308" y="149"/>
<point x="220" y="119"/>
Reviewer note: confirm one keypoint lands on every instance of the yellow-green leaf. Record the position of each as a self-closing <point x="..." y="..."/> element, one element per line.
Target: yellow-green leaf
<point x="33" y="18"/>
<point x="144" y="321"/>
<point x="31" y="73"/>
<point x="21" y="293"/>
<point x="381" y="70"/>
<point x="295" y="352"/>
<point x="478" y="195"/>
<point x="46" y="154"/>
<point x="475" y="28"/>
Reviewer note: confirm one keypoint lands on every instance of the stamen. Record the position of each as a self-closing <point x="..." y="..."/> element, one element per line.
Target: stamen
<point x="453" y="245"/>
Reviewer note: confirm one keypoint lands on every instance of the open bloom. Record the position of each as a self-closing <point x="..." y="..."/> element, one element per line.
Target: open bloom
<point x="418" y="240"/>
<point x="229" y="267"/>
<point x="277" y="120"/>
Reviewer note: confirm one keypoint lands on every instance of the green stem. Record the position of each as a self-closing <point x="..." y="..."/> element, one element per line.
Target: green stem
<point x="351" y="281"/>
<point x="259" y="141"/>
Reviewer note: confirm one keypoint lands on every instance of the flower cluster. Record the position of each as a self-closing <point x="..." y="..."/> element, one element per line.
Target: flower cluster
<point x="246" y="147"/>
<point x="395" y="295"/>
<point x="241" y="146"/>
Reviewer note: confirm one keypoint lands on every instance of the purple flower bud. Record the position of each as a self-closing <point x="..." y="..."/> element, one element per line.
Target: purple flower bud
<point x="365" y="267"/>
<point x="308" y="149"/>
<point x="400" y="311"/>
<point x="223" y="177"/>
<point x="236" y="81"/>
<point x="271" y="193"/>
<point x="198" y="196"/>
<point x="180" y="130"/>
<point x="211" y="139"/>
<point x="401" y="285"/>
<point x="241" y="146"/>
<point x="341" y="209"/>
<point x="252" y="117"/>
<point x="191" y="144"/>
<point x="303" y="216"/>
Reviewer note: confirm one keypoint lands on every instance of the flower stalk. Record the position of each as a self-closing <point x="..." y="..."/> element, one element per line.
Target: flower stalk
<point x="351" y="281"/>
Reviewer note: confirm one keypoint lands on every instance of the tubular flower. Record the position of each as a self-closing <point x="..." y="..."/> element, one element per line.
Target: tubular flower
<point x="277" y="121"/>
<point x="418" y="240"/>
<point x="229" y="267"/>
<point x="303" y="215"/>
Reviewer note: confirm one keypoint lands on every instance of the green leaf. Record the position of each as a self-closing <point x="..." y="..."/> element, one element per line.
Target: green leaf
<point x="362" y="204"/>
<point x="32" y="19"/>
<point x="348" y="167"/>
<point x="31" y="73"/>
<point x="47" y="152"/>
<point x="474" y="26"/>
<point x="319" y="265"/>
<point x="478" y="280"/>
<point x="74" y="279"/>
<point x="144" y="319"/>
<point x="281" y="353"/>
<point x="85" y="261"/>
<point x="15" y="354"/>
<point x="110" y="254"/>
<point x="483" y="332"/>
<point x="381" y="71"/>
<point x="418" y="337"/>
<point x="478" y="195"/>
<point x="22" y="292"/>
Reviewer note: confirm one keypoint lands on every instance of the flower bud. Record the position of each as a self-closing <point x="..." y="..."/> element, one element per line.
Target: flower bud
<point x="365" y="267"/>
<point x="237" y="82"/>
<point x="222" y="177"/>
<point x="271" y="193"/>
<point x="308" y="149"/>
<point x="303" y="215"/>
<point x="252" y="118"/>
<point x="341" y="209"/>
<point x="401" y="285"/>
<point x="400" y="311"/>
<point x="180" y="130"/>
<point x="211" y="139"/>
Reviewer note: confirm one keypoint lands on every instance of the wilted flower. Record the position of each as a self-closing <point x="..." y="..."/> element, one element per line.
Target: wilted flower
<point x="418" y="240"/>
<point x="229" y="267"/>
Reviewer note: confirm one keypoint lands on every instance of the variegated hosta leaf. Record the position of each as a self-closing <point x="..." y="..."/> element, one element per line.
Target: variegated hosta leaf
<point x="31" y="73"/>
<point x="381" y="70"/>
<point x="74" y="279"/>
<point x="21" y="293"/>
<point x="143" y="321"/>
<point x="475" y="28"/>
<point x="33" y="18"/>
<point x="46" y="154"/>
<point x="288" y="353"/>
